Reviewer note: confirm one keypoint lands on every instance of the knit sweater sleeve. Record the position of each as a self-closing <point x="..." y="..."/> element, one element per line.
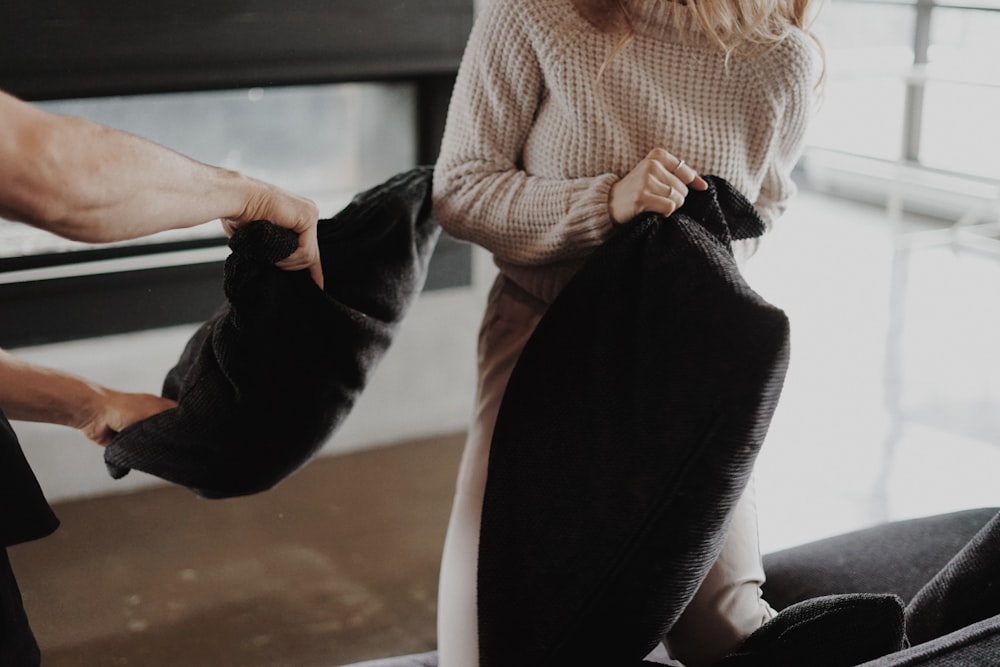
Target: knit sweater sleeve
<point x="482" y="191"/>
<point x="792" y="78"/>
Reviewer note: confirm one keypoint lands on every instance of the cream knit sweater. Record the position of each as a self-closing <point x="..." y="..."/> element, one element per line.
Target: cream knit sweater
<point x="534" y="142"/>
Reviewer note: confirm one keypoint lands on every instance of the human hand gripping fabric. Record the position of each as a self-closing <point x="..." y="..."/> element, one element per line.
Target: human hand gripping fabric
<point x="292" y="212"/>
<point x="35" y="393"/>
<point x="658" y="184"/>
<point x="112" y="411"/>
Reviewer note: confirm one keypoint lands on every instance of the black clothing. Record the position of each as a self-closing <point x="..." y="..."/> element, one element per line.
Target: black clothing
<point x="18" y="647"/>
<point x="24" y="515"/>
<point x="262" y="385"/>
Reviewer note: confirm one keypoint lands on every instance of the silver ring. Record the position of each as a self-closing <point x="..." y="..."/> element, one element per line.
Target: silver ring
<point x="670" y="193"/>
<point x="678" y="167"/>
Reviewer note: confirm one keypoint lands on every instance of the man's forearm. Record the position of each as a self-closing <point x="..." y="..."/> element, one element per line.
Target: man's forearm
<point x="91" y="183"/>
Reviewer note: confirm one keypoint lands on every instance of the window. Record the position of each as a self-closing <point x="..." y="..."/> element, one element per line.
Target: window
<point x="323" y="141"/>
<point x="909" y="82"/>
<point x="868" y="48"/>
<point x="962" y="94"/>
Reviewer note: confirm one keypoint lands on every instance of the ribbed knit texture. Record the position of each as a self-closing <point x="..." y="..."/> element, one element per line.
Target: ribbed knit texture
<point x="625" y="437"/>
<point x="829" y="631"/>
<point x="262" y="385"/>
<point x="534" y="141"/>
<point x="965" y="591"/>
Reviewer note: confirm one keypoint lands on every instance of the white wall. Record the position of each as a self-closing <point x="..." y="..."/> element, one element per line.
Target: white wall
<point x="424" y="386"/>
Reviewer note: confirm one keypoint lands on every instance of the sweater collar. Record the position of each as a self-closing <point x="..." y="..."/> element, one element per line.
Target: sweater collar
<point x="662" y="19"/>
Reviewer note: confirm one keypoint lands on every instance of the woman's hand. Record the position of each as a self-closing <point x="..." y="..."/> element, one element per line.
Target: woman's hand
<point x="112" y="411"/>
<point x="658" y="184"/>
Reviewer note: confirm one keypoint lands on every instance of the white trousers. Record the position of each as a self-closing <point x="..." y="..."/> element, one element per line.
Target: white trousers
<point x="728" y="605"/>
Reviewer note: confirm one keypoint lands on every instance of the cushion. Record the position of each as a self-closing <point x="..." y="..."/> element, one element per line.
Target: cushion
<point x="625" y="436"/>
<point x="828" y="631"/>
<point x="976" y="645"/>
<point x="965" y="591"/>
<point x="898" y="557"/>
<point x="265" y="382"/>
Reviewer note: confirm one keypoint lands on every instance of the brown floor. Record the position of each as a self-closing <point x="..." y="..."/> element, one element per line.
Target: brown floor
<point x="337" y="564"/>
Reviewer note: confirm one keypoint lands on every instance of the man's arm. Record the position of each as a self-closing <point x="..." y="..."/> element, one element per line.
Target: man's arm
<point x="87" y="182"/>
<point x="29" y="392"/>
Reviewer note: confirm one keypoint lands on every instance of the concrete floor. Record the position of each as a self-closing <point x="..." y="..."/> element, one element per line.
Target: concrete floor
<point x="339" y="563"/>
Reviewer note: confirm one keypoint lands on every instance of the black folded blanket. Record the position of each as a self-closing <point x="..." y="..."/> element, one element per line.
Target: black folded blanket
<point x="625" y="437"/>
<point x="264" y="383"/>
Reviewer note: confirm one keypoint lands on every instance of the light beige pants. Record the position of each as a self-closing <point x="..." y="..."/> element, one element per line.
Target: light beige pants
<point x="727" y="607"/>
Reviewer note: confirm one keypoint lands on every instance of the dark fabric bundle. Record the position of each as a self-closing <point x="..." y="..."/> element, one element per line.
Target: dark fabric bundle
<point x="828" y="631"/>
<point x="263" y="384"/>
<point x="626" y="435"/>
<point x="965" y="591"/>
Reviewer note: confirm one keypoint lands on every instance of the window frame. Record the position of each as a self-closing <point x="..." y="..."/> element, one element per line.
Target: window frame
<point x="159" y="47"/>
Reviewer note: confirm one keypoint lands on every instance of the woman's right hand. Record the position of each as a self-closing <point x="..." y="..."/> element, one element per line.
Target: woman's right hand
<point x="658" y="184"/>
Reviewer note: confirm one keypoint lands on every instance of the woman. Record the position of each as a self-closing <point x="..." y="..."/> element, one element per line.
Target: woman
<point x="570" y="117"/>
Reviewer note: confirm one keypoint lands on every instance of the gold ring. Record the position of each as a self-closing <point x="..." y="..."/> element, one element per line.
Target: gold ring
<point x="678" y="167"/>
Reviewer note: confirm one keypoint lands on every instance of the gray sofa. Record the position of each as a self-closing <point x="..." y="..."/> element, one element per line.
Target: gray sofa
<point x="943" y="568"/>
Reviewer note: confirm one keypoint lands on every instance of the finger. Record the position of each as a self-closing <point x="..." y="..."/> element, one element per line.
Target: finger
<point x="297" y="261"/>
<point x="662" y="204"/>
<point x="666" y="178"/>
<point x="316" y="272"/>
<point x="663" y="156"/>
<point x="687" y="175"/>
<point x="679" y="167"/>
<point x="303" y="260"/>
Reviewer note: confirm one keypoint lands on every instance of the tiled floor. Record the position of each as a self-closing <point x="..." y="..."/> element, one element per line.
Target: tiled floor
<point x="339" y="563"/>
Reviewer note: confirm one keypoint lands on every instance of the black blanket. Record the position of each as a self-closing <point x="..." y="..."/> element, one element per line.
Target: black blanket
<point x="264" y="383"/>
<point x="626" y="435"/>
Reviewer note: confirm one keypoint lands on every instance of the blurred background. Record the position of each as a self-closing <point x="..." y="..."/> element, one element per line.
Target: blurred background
<point x="887" y="263"/>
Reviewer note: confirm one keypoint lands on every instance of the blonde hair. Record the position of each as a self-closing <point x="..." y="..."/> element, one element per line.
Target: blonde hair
<point x="737" y="27"/>
<point x="737" y="24"/>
